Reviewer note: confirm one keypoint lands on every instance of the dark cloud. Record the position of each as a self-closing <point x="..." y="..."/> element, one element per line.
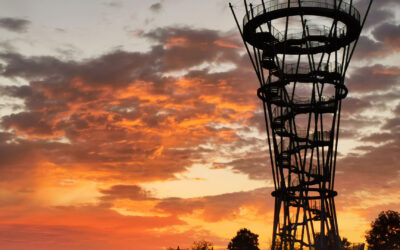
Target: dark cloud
<point x="353" y="105"/>
<point x="389" y="34"/>
<point x="28" y="121"/>
<point x="99" y="71"/>
<point x="378" y="137"/>
<point x="373" y="78"/>
<point x="393" y="124"/>
<point x="386" y="42"/>
<point x="220" y="207"/>
<point x="185" y="47"/>
<point x="372" y="170"/>
<point x="381" y="11"/>
<point x="397" y="110"/>
<point x="115" y="4"/>
<point x="14" y="24"/>
<point x="131" y="192"/>
<point x="255" y="164"/>
<point x="370" y="49"/>
<point x="176" y="49"/>
<point x="156" y="7"/>
<point x="352" y="123"/>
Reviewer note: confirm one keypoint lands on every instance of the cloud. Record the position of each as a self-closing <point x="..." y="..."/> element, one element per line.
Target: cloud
<point x="353" y="105"/>
<point x="373" y="170"/>
<point x="87" y="227"/>
<point x="97" y="128"/>
<point x="389" y="34"/>
<point x="385" y="41"/>
<point x="380" y="12"/>
<point x="220" y="207"/>
<point x="116" y="114"/>
<point x="373" y="78"/>
<point x="156" y="7"/>
<point x="14" y="24"/>
<point x="185" y="47"/>
<point x="131" y="192"/>
<point x="256" y="164"/>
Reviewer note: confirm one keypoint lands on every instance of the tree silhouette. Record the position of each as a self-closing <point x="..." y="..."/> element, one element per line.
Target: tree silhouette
<point x="345" y="243"/>
<point x="202" y="245"/>
<point x="244" y="240"/>
<point x="385" y="231"/>
<point x="331" y="242"/>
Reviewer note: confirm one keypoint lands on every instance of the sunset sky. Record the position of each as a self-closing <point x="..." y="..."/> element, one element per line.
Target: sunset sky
<point x="135" y="125"/>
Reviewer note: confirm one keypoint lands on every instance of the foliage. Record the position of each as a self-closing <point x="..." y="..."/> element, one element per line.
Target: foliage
<point x="244" y="240"/>
<point x="202" y="245"/>
<point x="331" y="241"/>
<point x="345" y="243"/>
<point x="385" y="231"/>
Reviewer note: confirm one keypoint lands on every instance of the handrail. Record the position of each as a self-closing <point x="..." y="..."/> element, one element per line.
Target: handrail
<point x="318" y="136"/>
<point x="304" y="68"/>
<point x="277" y="112"/>
<point x="306" y="100"/>
<point x="302" y="100"/>
<point x="312" y="30"/>
<point x="273" y="5"/>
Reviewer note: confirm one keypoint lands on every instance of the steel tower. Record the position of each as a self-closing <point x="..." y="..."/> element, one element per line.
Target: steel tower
<point x="300" y="51"/>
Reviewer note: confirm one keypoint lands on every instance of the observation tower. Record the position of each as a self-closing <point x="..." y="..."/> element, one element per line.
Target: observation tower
<point x="300" y="51"/>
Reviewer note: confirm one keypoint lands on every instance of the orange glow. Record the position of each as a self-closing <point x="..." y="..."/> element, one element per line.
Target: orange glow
<point x="393" y="72"/>
<point x="226" y="44"/>
<point x="155" y="147"/>
<point x="175" y="41"/>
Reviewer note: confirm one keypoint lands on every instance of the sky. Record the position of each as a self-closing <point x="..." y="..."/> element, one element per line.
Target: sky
<point x="135" y="125"/>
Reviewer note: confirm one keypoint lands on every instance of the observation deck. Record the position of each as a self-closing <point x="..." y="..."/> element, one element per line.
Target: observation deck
<point x="316" y="39"/>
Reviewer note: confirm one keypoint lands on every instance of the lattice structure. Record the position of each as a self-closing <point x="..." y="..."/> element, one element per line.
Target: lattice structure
<point x="300" y="51"/>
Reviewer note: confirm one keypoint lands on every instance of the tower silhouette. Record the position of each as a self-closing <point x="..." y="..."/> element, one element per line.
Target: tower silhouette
<point x="300" y="51"/>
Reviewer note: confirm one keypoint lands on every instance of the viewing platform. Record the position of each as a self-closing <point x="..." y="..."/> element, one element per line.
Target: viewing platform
<point x="314" y="39"/>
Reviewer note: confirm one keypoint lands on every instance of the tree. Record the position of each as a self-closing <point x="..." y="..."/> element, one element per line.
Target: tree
<point x="330" y="241"/>
<point x="202" y="245"/>
<point x="385" y="231"/>
<point x="244" y="240"/>
<point x="345" y="243"/>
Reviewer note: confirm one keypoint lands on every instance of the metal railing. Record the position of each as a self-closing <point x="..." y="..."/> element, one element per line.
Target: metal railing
<point x="314" y="136"/>
<point x="275" y="5"/>
<point x="301" y="100"/>
<point x="311" y="30"/>
<point x="278" y="112"/>
<point x="319" y="136"/>
<point x="304" y="68"/>
<point x="307" y="100"/>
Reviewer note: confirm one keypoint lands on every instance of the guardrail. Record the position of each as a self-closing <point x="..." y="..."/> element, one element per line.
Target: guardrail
<point x="312" y="30"/>
<point x="274" y="5"/>
<point x="304" y="68"/>
<point x="319" y="136"/>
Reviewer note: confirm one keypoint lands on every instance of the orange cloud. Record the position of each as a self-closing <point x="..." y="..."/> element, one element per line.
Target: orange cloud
<point x="226" y="44"/>
<point x="175" y="41"/>
<point x="93" y="131"/>
<point x="393" y="72"/>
